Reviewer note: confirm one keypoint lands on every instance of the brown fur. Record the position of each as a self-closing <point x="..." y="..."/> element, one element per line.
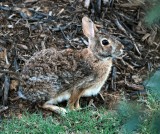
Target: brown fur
<point x="54" y="76"/>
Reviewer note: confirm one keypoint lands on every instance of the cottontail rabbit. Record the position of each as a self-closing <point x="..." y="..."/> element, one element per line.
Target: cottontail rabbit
<point x="54" y="76"/>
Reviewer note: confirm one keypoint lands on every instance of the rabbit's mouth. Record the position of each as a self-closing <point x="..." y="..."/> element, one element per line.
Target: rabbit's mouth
<point x="110" y="55"/>
<point x="105" y="55"/>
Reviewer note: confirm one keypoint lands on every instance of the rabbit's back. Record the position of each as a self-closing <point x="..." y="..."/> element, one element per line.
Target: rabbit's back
<point x="50" y="72"/>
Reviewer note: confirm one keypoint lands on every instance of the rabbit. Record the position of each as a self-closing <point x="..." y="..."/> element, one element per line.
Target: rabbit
<point x="53" y="76"/>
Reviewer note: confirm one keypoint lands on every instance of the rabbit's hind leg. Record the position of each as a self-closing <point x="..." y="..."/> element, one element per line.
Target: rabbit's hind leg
<point x="77" y="106"/>
<point x="51" y="104"/>
<point x="54" y="108"/>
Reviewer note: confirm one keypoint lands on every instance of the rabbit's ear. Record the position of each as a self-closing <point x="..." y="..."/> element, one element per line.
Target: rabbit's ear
<point x="88" y="27"/>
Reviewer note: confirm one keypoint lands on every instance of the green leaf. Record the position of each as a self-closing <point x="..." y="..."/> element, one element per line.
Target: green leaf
<point x="153" y="16"/>
<point x="153" y="85"/>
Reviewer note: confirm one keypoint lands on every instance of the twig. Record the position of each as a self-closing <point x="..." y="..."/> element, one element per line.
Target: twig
<point x="113" y="79"/>
<point x="6" y="90"/>
<point x="65" y="37"/>
<point x="99" y="3"/>
<point x="133" y="40"/>
<point x="59" y="28"/>
<point x="134" y="86"/>
<point x="84" y="41"/>
<point x="3" y="108"/>
<point x="119" y="25"/>
<point x="101" y="97"/>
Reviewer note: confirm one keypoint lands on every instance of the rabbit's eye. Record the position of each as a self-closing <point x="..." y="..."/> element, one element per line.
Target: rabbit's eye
<point x="105" y="42"/>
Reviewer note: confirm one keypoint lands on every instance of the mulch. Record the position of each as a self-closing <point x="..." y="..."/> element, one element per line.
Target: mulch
<point x="32" y="25"/>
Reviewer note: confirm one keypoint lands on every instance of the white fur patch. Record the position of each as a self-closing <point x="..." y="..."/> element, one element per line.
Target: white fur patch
<point x="93" y="90"/>
<point x="62" y="97"/>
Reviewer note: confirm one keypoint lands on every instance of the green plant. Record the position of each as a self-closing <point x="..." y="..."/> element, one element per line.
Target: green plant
<point x="153" y="15"/>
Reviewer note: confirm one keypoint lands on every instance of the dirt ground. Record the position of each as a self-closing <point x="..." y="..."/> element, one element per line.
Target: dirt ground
<point x="32" y="25"/>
